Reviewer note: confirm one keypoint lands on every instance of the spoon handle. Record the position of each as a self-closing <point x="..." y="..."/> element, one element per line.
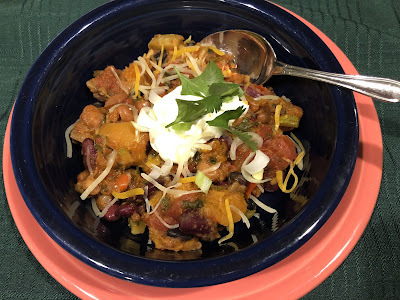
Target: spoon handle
<point x="383" y="89"/>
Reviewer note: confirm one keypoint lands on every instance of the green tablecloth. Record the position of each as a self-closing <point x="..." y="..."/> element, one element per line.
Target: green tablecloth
<point x="367" y="31"/>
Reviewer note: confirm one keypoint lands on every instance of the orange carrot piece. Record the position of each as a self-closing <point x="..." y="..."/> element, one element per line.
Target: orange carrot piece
<point x="122" y="182"/>
<point x="250" y="187"/>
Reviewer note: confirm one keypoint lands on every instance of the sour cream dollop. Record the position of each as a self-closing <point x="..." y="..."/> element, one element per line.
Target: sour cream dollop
<point x="179" y="146"/>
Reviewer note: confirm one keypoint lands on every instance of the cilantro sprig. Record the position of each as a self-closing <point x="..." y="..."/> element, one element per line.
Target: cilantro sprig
<point x="214" y="90"/>
<point x="222" y="121"/>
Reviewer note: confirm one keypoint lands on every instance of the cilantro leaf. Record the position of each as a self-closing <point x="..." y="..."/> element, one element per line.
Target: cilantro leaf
<point x="225" y="90"/>
<point x="199" y="85"/>
<point x="213" y="90"/>
<point x="245" y="137"/>
<point x="222" y="121"/>
<point x="188" y="111"/>
<point x="212" y="103"/>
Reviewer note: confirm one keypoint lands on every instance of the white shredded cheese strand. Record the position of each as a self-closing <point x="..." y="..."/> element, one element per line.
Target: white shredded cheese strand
<point x="89" y="165"/>
<point x="267" y="97"/>
<point x="68" y="139"/>
<point x="194" y="63"/>
<point x="166" y="167"/>
<point x="141" y="66"/>
<point x="132" y="108"/>
<point x="242" y="215"/>
<point x="119" y="81"/>
<point x="170" y="189"/>
<point x="146" y="198"/>
<point x="95" y="208"/>
<point x="212" y="169"/>
<point x="262" y="205"/>
<point x="155" y="66"/>
<point x="259" y="162"/>
<point x="236" y="143"/>
<point x="169" y="78"/>
<point x="247" y="175"/>
<point x="255" y="239"/>
<point x="104" y="211"/>
<point x="155" y="172"/>
<point x="103" y="175"/>
<point x="274" y="225"/>
<point x="165" y="223"/>
<point x="148" y="71"/>
<point x="140" y="128"/>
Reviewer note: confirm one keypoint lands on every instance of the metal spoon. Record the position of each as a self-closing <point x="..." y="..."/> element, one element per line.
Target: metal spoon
<point x="254" y="56"/>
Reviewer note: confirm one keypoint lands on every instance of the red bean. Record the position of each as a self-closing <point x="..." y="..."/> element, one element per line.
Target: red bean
<point x="112" y="213"/>
<point x="127" y="209"/>
<point x="89" y="153"/>
<point x="191" y="222"/>
<point x="252" y="92"/>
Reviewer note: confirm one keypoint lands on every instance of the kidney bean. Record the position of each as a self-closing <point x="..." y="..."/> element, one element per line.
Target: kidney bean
<point x="191" y="222"/>
<point x="112" y="213"/>
<point x="127" y="209"/>
<point x="270" y="187"/>
<point x="151" y="189"/>
<point x="89" y="153"/>
<point x="237" y="177"/>
<point x="176" y="233"/>
<point x="227" y="139"/>
<point x="252" y="92"/>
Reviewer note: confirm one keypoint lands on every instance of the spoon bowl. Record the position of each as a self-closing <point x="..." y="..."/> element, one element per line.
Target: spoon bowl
<point x="254" y="56"/>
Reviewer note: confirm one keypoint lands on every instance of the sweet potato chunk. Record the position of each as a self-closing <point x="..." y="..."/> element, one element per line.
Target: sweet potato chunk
<point x="124" y="135"/>
<point x="214" y="206"/>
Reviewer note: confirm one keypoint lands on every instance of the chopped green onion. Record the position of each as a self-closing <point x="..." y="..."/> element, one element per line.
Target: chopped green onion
<point x="203" y="182"/>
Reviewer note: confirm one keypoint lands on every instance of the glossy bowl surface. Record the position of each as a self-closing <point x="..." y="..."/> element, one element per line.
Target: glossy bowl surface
<point x="54" y="93"/>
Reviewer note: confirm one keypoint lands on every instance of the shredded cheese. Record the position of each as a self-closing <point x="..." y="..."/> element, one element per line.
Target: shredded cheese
<point x="127" y="194"/>
<point x="299" y="159"/>
<point x="119" y="81"/>
<point x="245" y="220"/>
<point x="165" y="223"/>
<point x="148" y="71"/>
<point x="194" y="64"/>
<point x="174" y="55"/>
<point x="187" y="49"/>
<point x="187" y="179"/>
<point x="274" y="225"/>
<point x="95" y="208"/>
<point x="158" y="203"/>
<point x="161" y="55"/>
<point x="103" y="175"/>
<point x="230" y="222"/>
<point x="283" y="184"/>
<point x="277" y="116"/>
<point x="254" y="238"/>
<point x="170" y="189"/>
<point x="137" y="80"/>
<point x="262" y="205"/>
<point x="68" y="139"/>
<point x="217" y="51"/>
<point x="105" y="210"/>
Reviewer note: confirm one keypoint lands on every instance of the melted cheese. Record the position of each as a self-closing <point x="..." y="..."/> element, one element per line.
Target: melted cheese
<point x="230" y="222"/>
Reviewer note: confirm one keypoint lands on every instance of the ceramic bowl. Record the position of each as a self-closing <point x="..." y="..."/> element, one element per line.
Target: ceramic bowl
<point x="54" y="93"/>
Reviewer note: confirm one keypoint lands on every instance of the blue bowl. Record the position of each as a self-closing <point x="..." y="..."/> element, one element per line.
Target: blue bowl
<point x="54" y="93"/>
